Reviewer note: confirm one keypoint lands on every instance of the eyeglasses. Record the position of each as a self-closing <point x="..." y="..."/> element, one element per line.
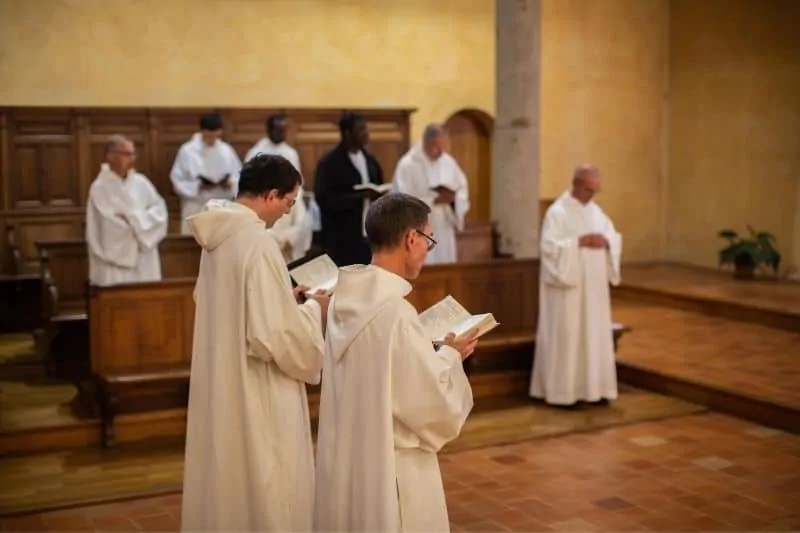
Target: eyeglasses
<point x="431" y="241"/>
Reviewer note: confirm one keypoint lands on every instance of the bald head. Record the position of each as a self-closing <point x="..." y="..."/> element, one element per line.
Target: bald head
<point x="120" y="154"/>
<point x="434" y="140"/>
<point x="585" y="183"/>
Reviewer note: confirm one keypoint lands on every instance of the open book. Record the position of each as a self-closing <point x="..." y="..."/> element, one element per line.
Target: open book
<point x="321" y="273"/>
<point x="449" y="316"/>
<point x="380" y="189"/>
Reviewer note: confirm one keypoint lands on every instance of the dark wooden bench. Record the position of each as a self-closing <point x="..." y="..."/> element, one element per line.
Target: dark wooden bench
<point x="148" y="389"/>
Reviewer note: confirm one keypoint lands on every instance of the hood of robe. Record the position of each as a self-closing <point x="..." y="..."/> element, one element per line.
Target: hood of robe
<point x="361" y="292"/>
<point x="220" y="219"/>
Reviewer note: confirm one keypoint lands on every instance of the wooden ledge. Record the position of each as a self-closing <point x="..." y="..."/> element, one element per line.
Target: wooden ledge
<point x="139" y="375"/>
<point x="70" y="317"/>
<point x="506" y="341"/>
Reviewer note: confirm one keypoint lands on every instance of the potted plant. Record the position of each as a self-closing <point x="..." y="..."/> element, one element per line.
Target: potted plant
<point x="748" y="254"/>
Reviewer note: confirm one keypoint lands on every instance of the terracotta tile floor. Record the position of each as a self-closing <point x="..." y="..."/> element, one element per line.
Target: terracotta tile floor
<point x="697" y="473"/>
<point x="710" y="284"/>
<point x="90" y="476"/>
<point x="744" y="358"/>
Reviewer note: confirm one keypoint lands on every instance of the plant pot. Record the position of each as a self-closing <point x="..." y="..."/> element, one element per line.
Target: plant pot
<point x="745" y="268"/>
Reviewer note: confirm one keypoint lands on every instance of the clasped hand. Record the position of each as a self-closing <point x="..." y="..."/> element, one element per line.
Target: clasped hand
<point x="465" y="345"/>
<point x="593" y="240"/>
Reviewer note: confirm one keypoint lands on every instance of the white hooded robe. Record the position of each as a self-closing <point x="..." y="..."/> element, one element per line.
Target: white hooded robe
<point x="574" y="342"/>
<point x="126" y="219"/>
<point x="388" y="404"/>
<point x="249" y="459"/>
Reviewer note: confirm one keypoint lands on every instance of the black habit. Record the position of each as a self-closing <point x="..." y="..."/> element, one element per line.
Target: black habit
<point x="341" y="208"/>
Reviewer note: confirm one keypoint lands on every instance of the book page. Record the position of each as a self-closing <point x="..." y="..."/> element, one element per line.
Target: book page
<point x="319" y="273"/>
<point x="484" y="323"/>
<point x="384" y="187"/>
<point x="439" y="319"/>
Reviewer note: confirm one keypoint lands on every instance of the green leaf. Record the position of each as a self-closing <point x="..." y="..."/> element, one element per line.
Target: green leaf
<point x="728" y="234"/>
<point x="751" y="230"/>
<point x="728" y="254"/>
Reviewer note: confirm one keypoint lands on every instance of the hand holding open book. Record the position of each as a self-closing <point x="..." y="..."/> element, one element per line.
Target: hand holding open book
<point x="449" y="316"/>
<point x="320" y="275"/>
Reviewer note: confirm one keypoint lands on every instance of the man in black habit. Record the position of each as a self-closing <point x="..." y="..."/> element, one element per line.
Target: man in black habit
<point x="342" y="208"/>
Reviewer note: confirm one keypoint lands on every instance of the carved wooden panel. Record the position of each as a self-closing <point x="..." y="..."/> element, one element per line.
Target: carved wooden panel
<point x="133" y="327"/>
<point x="49" y="156"/>
<point x="43" y="159"/>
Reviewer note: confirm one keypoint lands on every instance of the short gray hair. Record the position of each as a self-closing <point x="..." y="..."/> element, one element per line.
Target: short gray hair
<point x="114" y="141"/>
<point x="391" y="216"/>
<point x="433" y="131"/>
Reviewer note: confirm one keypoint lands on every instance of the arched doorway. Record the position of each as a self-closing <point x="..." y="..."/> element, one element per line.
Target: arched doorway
<point x="470" y="132"/>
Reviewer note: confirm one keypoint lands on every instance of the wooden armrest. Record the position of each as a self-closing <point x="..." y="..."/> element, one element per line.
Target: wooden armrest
<point x="69" y="317"/>
<point x="505" y="341"/>
<point x="143" y="375"/>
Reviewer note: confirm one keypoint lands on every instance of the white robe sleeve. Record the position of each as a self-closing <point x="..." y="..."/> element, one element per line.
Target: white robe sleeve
<point x="277" y="329"/>
<point x="186" y="184"/>
<point x="252" y="152"/>
<point x="151" y="222"/>
<point x="109" y="238"/>
<point x="431" y="394"/>
<point x="407" y="179"/>
<point x="614" y="252"/>
<point x="462" y="204"/>
<point x="560" y="253"/>
<point x="298" y="233"/>
<point x="234" y="167"/>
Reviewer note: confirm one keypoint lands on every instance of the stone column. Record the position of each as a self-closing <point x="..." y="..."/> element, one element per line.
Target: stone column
<point x="515" y="158"/>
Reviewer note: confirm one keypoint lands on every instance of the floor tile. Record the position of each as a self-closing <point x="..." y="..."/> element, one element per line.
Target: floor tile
<point x="595" y="482"/>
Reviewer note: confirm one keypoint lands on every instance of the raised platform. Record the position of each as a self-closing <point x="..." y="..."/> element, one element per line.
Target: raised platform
<point x="772" y="303"/>
<point x="732" y="346"/>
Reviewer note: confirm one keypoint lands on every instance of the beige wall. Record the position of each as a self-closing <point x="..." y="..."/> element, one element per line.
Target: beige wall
<point x="604" y="78"/>
<point x="435" y="56"/>
<point x="690" y="108"/>
<point x="734" y="138"/>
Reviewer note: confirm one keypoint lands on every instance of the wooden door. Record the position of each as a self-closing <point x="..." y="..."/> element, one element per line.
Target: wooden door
<point x="471" y="146"/>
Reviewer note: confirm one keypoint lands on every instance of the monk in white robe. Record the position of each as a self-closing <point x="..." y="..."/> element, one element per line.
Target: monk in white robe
<point x="205" y="168"/>
<point x="428" y="172"/>
<point x="580" y="256"/>
<point x="293" y="231"/>
<point x="389" y="401"/>
<point x="249" y="457"/>
<point x="126" y="219"/>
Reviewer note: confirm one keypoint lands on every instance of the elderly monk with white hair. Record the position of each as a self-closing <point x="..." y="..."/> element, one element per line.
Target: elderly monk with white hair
<point x="126" y="219"/>
<point x="429" y="173"/>
<point x="580" y="256"/>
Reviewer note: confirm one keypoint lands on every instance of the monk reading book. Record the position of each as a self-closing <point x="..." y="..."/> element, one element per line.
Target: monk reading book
<point x="320" y="275"/>
<point x="449" y="316"/>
